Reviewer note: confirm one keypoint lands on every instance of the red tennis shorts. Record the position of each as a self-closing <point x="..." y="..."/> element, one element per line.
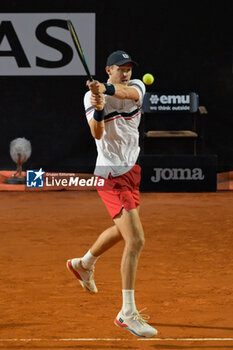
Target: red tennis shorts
<point x="121" y="191"/>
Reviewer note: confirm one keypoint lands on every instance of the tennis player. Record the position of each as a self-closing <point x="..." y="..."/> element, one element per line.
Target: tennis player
<point x="113" y="113"/>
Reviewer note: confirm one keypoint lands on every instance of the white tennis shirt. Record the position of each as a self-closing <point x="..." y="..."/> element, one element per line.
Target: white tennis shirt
<point x="118" y="149"/>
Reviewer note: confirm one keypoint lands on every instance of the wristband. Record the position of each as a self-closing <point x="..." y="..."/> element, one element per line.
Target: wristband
<point x="110" y="90"/>
<point x="99" y="115"/>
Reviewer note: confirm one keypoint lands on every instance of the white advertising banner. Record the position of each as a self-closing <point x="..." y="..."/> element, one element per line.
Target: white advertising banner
<point x="40" y="43"/>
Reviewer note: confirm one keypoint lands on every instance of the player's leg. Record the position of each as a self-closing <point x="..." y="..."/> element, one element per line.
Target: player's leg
<point x="83" y="268"/>
<point x="105" y="241"/>
<point x="129" y="224"/>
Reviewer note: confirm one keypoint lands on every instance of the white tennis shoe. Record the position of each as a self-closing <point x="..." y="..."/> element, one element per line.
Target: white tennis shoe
<point x="84" y="276"/>
<point x="136" y="324"/>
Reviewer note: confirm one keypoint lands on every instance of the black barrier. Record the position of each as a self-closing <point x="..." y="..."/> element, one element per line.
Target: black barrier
<point x="181" y="173"/>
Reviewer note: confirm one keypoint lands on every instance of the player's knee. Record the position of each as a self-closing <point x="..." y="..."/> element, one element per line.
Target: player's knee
<point x="141" y="242"/>
<point x="136" y="244"/>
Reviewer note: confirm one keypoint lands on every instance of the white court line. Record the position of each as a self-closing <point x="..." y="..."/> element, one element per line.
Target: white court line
<point x="111" y="339"/>
<point x="188" y="339"/>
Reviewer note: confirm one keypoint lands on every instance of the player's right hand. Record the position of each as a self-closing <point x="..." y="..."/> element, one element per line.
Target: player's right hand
<point x="96" y="87"/>
<point x="97" y="101"/>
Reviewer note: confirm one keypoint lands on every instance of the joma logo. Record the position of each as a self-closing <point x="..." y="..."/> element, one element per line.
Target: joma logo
<point x="177" y="174"/>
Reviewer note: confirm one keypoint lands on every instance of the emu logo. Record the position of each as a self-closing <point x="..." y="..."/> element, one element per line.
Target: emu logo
<point x="170" y="99"/>
<point x="177" y="174"/>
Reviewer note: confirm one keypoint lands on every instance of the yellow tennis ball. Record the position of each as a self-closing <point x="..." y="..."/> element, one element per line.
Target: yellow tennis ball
<point x="148" y="79"/>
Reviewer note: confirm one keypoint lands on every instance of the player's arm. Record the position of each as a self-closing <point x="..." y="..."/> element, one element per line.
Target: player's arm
<point x="97" y="122"/>
<point x="122" y="92"/>
<point x="117" y="90"/>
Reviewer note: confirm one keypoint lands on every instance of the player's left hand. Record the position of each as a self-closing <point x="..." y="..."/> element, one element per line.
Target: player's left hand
<point x="96" y="87"/>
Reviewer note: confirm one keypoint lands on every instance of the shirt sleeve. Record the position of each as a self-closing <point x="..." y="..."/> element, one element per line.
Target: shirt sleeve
<point x="140" y="87"/>
<point x="89" y="109"/>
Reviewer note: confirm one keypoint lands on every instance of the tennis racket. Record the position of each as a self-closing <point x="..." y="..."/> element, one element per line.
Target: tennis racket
<point x="79" y="48"/>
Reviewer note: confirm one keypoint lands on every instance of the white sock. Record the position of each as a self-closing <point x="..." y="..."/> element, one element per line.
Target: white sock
<point x="128" y="301"/>
<point x="88" y="260"/>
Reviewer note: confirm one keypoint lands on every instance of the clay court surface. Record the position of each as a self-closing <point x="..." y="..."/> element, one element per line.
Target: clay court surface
<point x="185" y="275"/>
